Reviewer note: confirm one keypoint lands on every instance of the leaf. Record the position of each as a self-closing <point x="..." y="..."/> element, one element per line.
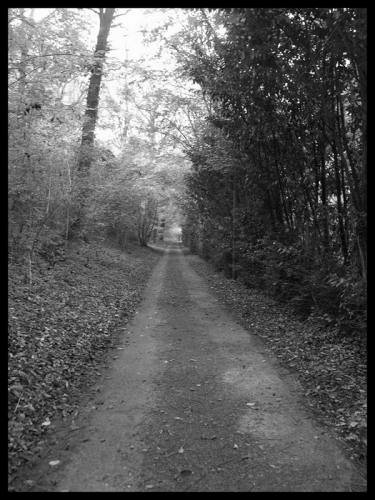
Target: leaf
<point x="352" y="437"/>
<point x="53" y="463"/>
<point x="186" y="472"/>
<point x="16" y="388"/>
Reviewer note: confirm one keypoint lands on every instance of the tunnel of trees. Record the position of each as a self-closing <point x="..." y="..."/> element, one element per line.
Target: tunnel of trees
<point x="242" y="130"/>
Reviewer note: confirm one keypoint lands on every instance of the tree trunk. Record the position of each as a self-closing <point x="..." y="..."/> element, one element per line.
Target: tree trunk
<point x="91" y="113"/>
<point x="234" y="225"/>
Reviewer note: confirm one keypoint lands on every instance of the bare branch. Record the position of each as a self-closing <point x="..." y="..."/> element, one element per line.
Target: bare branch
<point x="96" y="11"/>
<point x="123" y="14"/>
<point x="44" y="19"/>
<point x="48" y="55"/>
<point x="210" y="27"/>
<point x="23" y="76"/>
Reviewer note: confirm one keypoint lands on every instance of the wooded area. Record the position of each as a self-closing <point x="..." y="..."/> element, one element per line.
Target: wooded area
<point x="244" y="128"/>
<point x="277" y="194"/>
<point x="62" y="185"/>
<point x="79" y="214"/>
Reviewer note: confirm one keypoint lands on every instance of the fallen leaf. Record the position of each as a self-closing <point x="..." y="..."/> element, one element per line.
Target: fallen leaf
<point x="186" y="472"/>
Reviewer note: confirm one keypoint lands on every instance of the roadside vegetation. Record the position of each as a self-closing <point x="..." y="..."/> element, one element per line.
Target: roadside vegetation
<point x="277" y="194"/>
<point x="278" y="189"/>
<point x="81" y="210"/>
<point x="60" y="331"/>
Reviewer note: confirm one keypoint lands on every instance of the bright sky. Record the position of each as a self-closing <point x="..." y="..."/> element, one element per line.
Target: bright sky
<point x="125" y="35"/>
<point x="126" y="29"/>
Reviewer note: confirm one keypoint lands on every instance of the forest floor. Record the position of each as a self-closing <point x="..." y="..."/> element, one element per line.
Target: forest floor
<point x="193" y="401"/>
<point x="61" y="329"/>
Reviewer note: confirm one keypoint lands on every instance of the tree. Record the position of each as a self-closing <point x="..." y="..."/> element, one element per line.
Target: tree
<point x="147" y="218"/>
<point x="44" y="56"/>
<point x="91" y="113"/>
<point x="288" y="96"/>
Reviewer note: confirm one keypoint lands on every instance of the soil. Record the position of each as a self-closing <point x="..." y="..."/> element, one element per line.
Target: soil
<point x="192" y="402"/>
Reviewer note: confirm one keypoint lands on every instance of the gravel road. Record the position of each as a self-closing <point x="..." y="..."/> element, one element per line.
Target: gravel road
<point x="193" y="403"/>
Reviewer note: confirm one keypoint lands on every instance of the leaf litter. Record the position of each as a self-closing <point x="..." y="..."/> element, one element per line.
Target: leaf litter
<point x="59" y="329"/>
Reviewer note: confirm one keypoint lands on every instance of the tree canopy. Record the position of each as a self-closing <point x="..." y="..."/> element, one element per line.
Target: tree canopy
<point x="279" y="169"/>
<point x="252" y="123"/>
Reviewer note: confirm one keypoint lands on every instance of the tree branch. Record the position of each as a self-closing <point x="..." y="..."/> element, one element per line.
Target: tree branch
<point x="96" y="11"/>
<point x="48" y="55"/>
<point x="20" y="18"/>
<point x="213" y="32"/>
<point x="124" y="14"/>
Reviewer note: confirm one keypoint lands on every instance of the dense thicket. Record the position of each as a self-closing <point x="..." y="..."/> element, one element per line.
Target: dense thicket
<point x="277" y="193"/>
<point x="65" y="181"/>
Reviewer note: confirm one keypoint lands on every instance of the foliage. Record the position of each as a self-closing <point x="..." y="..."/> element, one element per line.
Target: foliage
<point x="277" y="192"/>
<point x="67" y="290"/>
<point x="50" y="63"/>
<point x="44" y="57"/>
<point x="147" y="219"/>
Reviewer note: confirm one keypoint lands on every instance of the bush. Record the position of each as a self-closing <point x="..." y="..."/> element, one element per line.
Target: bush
<point x="351" y="312"/>
<point x="310" y="284"/>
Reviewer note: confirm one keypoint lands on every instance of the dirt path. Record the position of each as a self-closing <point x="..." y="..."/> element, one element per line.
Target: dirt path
<point x="193" y="403"/>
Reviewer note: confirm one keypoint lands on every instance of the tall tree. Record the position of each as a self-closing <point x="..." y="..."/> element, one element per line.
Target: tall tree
<point x="91" y="113"/>
<point x="288" y="93"/>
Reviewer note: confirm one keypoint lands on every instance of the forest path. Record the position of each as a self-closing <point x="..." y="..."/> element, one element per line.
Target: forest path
<point x="193" y="403"/>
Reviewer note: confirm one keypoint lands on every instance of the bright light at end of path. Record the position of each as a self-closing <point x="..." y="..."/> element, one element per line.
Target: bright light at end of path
<point x="174" y="234"/>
